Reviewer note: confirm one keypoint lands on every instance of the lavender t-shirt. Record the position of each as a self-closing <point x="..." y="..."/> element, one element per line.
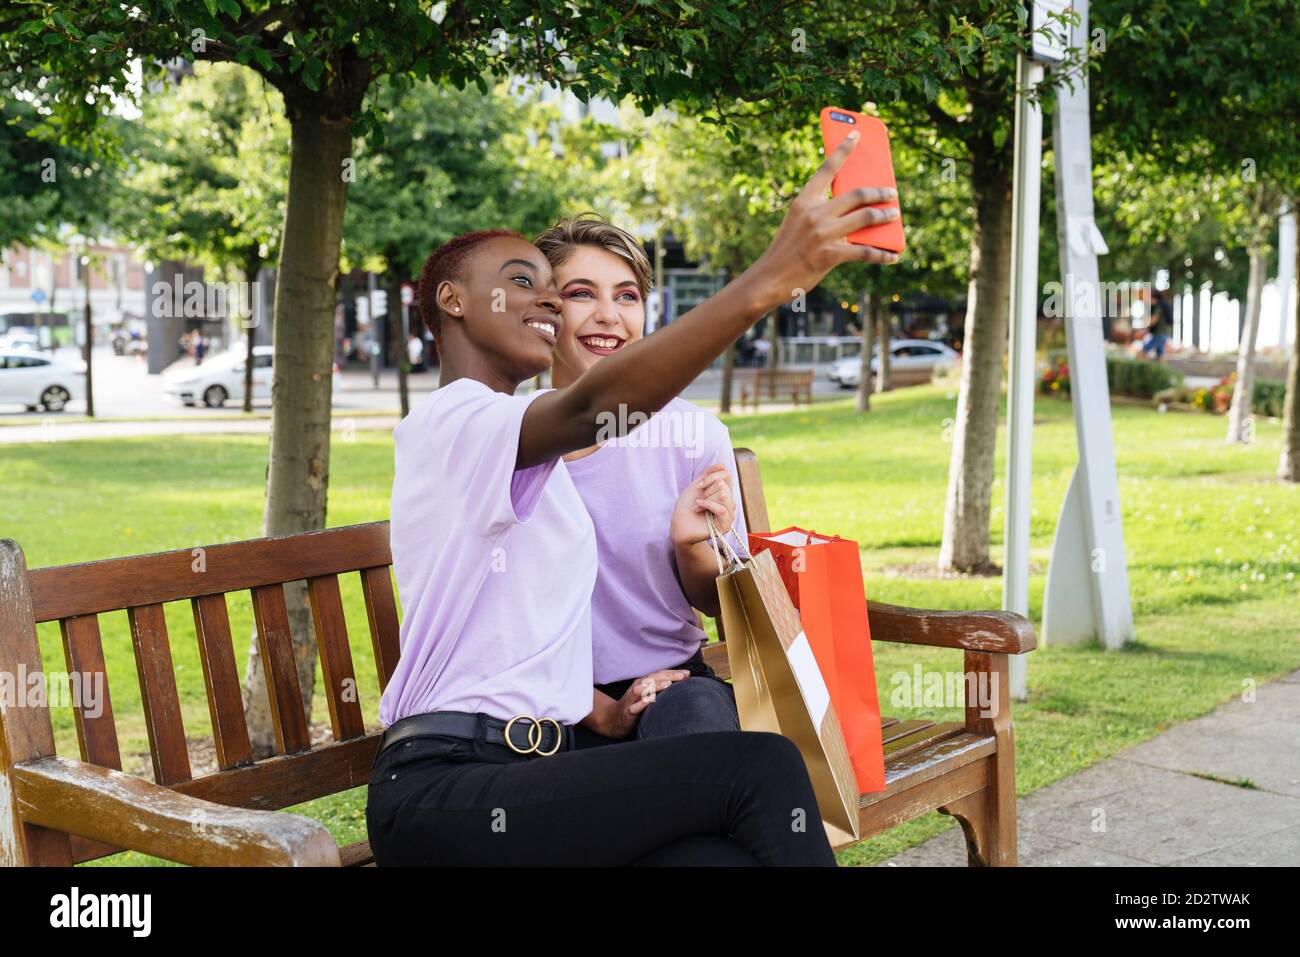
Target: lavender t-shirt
<point x="641" y="620"/>
<point x="494" y="566"/>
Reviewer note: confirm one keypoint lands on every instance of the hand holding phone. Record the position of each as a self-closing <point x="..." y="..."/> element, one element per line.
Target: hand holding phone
<point x="870" y="165"/>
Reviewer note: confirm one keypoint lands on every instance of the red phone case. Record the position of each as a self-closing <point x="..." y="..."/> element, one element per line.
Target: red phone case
<point x="870" y="164"/>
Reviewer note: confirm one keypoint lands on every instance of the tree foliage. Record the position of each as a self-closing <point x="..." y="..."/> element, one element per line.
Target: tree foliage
<point x="204" y="171"/>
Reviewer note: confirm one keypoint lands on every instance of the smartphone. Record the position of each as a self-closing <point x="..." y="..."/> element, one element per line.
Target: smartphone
<point x="870" y="164"/>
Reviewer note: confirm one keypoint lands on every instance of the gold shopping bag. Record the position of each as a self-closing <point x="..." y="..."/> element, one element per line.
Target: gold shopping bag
<point x="777" y="683"/>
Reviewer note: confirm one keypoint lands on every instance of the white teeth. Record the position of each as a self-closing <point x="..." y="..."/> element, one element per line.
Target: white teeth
<point x="600" y="343"/>
<point x="546" y="327"/>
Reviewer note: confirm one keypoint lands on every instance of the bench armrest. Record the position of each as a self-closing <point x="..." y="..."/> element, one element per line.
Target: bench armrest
<point x="106" y="805"/>
<point x="988" y="631"/>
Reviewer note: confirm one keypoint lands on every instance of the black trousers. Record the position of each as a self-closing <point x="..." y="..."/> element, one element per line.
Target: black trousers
<point x="716" y="798"/>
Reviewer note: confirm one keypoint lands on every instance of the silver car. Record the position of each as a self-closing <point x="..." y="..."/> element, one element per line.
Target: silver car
<point x="910" y="361"/>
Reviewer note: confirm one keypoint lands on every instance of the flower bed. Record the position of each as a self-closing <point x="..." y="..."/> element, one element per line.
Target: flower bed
<point x="1266" y="399"/>
<point x="1131" y="377"/>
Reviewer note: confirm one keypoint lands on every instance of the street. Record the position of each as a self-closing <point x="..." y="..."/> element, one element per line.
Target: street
<point x="129" y="401"/>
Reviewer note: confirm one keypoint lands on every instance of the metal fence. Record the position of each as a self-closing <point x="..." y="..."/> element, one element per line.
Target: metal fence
<point x="816" y="350"/>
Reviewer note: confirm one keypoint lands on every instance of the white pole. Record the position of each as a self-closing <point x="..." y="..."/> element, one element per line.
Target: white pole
<point x="1022" y="330"/>
<point x="1286" y="275"/>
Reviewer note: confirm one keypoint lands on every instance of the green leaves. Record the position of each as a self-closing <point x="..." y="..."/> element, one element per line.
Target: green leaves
<point x="207" y="170"/>
<point x="311" y="73"/>
<point x="699" y="55"/>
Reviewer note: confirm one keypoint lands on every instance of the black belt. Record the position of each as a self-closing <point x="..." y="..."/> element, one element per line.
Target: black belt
<point x="522" y="734"/>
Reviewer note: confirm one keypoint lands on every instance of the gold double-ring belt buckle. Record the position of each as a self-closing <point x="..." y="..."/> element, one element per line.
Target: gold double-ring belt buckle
<point x="534" y="735"/>
<point x="559" y="736"/>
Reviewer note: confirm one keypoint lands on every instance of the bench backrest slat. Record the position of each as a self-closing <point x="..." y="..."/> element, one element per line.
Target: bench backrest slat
<point x="162" y="706"/>
<point x="336" y="657"/>
<point x="275" y="646"/>
<point x="185" y="573"/>
<point x="381" y="612"/>
<point x="83" y="650"/>
<point x="221" y="679"/>
<point x="751" y="492"/>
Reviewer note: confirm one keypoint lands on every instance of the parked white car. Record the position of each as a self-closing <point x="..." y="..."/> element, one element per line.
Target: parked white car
<point x="220" y="377"/>
<point x="37" y="381"/>
<point x="911" y="360"/>
<point x="20" y="340"/>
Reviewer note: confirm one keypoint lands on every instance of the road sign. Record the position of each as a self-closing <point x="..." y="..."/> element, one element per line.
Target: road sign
<point x="408" y="294"/>
<point x="38" y="296"/>
<point x="1049" y="40"/>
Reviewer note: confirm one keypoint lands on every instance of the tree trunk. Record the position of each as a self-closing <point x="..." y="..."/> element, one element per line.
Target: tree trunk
<point x="728" y="374"/>
<point x="882" y="336"/>
<point x="298" y="471"/>
<point x="1288" y="468"/>
<point x="965" y="544"/>
<point x="251" y="270"/>
<point x="870" y="303"/>
<point x="397" y="338"/>
<point x="1240" y="423"/>
<point x="88" y="349"/>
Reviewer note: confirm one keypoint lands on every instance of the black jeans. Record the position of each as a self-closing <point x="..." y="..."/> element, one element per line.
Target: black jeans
<point x="702" y="702"/>
<point x="721" y="798"/>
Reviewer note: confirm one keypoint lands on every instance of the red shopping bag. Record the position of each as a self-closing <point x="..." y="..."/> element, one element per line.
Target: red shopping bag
<point x="824" y="577"/>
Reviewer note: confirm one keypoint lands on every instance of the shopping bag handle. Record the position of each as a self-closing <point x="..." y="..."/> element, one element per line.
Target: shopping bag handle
<point x="721" y="547"/>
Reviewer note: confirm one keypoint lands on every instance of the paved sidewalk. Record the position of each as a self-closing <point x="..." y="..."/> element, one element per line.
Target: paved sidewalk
<point x="1167" y="801"/>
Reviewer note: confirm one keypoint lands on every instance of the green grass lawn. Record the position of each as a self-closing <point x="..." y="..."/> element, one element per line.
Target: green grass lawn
<point x="1213" y="544"/>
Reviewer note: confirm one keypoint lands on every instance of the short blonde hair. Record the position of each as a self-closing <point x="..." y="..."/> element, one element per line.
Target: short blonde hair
<point x="589" y="229"/>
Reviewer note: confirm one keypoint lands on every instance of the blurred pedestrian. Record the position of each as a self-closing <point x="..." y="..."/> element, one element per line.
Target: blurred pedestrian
<point x="415" y="349"/>
<point x="1158" y="329"/>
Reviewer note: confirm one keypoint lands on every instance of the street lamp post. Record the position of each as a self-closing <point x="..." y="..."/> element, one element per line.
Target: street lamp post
<point x="1022" y="332"/>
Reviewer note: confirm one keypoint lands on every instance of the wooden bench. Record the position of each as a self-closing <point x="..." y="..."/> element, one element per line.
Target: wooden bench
<point x="772" y="383"/>
<point x="59" y="810"/>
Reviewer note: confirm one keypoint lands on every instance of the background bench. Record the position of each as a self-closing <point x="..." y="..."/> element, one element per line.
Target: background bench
<point x="58" y="810"/>
<point x="774" y="383"/>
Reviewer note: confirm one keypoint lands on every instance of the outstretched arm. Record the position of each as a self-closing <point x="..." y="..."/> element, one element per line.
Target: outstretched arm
<point x="646" y="375"/>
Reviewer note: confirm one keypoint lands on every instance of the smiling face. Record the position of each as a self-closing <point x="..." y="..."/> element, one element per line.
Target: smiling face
<point x="603" y="310"/>
<point x="502" y="311"/>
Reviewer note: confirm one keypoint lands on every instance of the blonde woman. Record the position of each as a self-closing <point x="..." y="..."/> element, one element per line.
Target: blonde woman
<point x="647" y="493"/>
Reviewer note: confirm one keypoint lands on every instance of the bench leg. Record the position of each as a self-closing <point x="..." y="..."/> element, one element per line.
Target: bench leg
<point x="988" y="817"/>
<point x="25" y="728"/>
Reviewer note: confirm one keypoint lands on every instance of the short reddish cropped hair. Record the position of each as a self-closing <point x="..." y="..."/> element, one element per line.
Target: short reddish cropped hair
<point x="448" y="262"/>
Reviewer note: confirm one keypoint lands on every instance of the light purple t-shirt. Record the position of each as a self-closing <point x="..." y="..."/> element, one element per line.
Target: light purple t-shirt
<point x="641" y="620"/>
<point x="494" y="566"/>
